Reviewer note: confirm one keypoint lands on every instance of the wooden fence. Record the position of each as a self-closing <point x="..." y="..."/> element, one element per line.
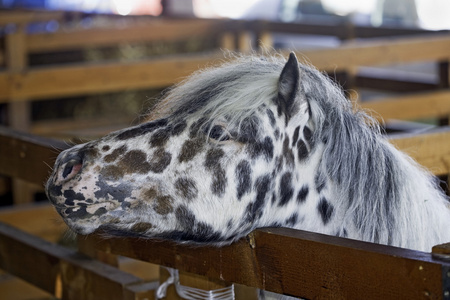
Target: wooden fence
<point x="285" y="261"/>
<point x="21" y="83"/>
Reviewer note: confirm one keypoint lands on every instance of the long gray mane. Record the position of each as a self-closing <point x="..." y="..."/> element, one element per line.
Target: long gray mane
<point x="376" y="184"/>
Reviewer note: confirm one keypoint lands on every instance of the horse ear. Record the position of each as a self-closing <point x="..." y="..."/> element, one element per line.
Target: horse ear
<point x="288" y="87"/>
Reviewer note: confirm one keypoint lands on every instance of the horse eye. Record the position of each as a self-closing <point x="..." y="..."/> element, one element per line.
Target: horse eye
<point x="218" y="133"/>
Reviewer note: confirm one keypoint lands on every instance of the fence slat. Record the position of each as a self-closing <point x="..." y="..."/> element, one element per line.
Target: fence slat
<point x="410" y="107"/>
<point x="52" y="268"/>
<point x="155" y="30"/>
<point x="431" y="149"/>
<point x="382" y="52"/>
<point x="297" y="263"/>
<point x="96" y="78"/>
<point x="25" y="156"/>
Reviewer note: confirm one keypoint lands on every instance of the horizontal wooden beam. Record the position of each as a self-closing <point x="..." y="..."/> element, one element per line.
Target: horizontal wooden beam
<point x="140" y="32"/>
<point x="297" y="263"/>
<point x="431" y="149"/>
<point x="48" y="225"/>
<point x="380" y="52"/>
<point x="99" y="78"/>
<point x="24" y="17"/>
<point x="64" y="272"/>
<point x="393" y="84"/>
<point x="411" y="107"/>
<point x="26" y="156"/>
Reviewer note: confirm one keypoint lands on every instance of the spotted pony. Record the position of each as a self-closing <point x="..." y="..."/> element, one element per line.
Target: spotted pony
<point x="256" y="142"/>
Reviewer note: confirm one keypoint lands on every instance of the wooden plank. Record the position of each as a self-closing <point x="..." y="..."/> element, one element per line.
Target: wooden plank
<point x="65" y="129"/>
<point x="431" y="149"/>
<point x="19" y="110"/>
<point x="108" y="77"/>
<point x="155" y="30"/>
<point x="97" y="78"/>
<point x="411" y="107"/>
<point x="48" y="225"/>
<point x="380" y="52"/>
<point x="392" y="84"/>
<point x="25" y="156"/>
<point x="52" y="268"/>
<point x="22" y="17"/>
<point x="298" y="263"/>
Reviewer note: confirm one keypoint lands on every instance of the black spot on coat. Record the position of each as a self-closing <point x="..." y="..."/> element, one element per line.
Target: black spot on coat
<point x="295" y="137"/>
<point x="190" y="149"/>
<point x="286" y="189"/>
<point x="244" y="177"/>
<point x="262" y="186"/>
<point x="307" y="134"/>
<point x="186" y="188"/>
<point x="302" y="150"/>
<point x="302" y="194"/>
<point x="118" y="152"/>
<point x="212" y="163"/>
<point x="263" y="148"/>
<point x="141" y="129"/>
<point x="325" y="210"/>
<point x="292" y="220"/>
<point x="160" y="137"/>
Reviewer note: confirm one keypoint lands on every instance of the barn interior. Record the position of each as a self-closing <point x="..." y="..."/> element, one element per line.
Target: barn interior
<point x="73" y="71"/>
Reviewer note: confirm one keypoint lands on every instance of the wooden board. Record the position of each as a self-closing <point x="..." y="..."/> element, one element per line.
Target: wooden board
<point x="141" y="32"/>
<point x="411" y="107"/>
<point x="63" y="272"/>
<point x="26" y="156"/>
<point x="431" y="150"/>
<point x="99" y="78"/>
<point x="40" y="220"/>
<point x="380" y="52"/>
<point x="23" y="17"/>
<point x="297" y="263"/>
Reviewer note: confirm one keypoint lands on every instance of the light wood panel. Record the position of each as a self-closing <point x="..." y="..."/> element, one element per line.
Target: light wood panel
<point x="138" y="32"/>
<point x="431" y="150"/>
<point x="98" y="78"/>
<point x="380" y="52"/>
<point x="411" y="107"/>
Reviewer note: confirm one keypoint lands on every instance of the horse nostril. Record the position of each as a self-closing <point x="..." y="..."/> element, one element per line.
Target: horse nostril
<point x="72" y="167"/>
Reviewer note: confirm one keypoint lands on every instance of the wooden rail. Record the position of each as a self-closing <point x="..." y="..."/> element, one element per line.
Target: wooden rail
<point x="81" y="79"/>
<point x="300" y="264"/>
<point x="411" y="107"/>
<point x="66" y="273"/>
<point x="139" y="32"/>
<point x="381" y="52"/>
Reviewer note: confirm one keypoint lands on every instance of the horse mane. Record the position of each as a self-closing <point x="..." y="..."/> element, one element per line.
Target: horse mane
<point x="234" y="90"/>
<point x="385" y="194"/>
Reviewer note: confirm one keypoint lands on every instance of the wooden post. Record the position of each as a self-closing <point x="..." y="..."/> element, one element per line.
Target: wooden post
<point x="87" y="248"/>
<point x="444" y="82"/>
<point x="19" y="110"/>
<point x="245" y="42"/>
<point x="265" y="41"/>
<point x="228" y="41"/>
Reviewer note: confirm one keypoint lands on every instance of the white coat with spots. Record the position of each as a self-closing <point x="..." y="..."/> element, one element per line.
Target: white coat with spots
<point x="254" y="143"/>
